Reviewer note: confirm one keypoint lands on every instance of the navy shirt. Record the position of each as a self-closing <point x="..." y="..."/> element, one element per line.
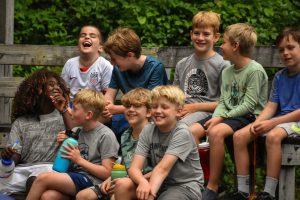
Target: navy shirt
<point x="150" y="75"/>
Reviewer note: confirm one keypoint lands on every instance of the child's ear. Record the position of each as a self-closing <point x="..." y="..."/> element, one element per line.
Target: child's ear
<point x="89" y="115"/>
<point x="236" y="46"/>
<point x="148" y="114"/>
<point x="216" y="37"/>
<point x="178" y="113"/>
<point x="130" y="54"/>
<point x="100" y="50"/>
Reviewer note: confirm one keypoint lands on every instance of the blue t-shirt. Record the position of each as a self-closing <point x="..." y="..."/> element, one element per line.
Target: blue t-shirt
<point x="151" y="74"/>
<point x="286" y="92"/>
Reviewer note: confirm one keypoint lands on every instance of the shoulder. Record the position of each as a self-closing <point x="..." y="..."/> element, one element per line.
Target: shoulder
<point x="72" y="60"/>
<point x="184" y="61"/>
<point x="182" y="127"/>
<point x="104" y="130"/>
<point x="153" y="62"/>
<point x="219" y="60"/>
<point x="103" y="62"/>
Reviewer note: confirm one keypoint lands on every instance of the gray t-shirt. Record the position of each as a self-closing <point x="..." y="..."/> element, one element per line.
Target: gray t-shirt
<point x="200" y="79"/>
<point x="37" y="139"/>
<point x="179" y="142"/>
<point x="95" y="145"/>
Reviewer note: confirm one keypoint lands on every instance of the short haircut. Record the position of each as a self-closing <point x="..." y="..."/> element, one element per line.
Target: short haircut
<point x="286" y="32"/>
<point x="137" y="96"/>
<point x="122" y="41"/>
<point x="171" y="92"/>
<point x="96" y="27"/>
<point x="90" y="100"/>
<point x="244" y="34"/>
<point x="207" y="19"/>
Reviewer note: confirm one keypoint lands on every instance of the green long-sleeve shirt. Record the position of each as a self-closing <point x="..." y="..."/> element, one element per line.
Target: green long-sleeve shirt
<point x="243" y="91"/>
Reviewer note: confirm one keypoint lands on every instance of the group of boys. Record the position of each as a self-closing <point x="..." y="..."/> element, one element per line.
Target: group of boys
<point x="216" y="99"/>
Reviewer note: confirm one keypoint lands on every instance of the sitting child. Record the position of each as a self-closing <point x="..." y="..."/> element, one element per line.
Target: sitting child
<point x="177" y="173"/>
<point x="137" y="112"/>
<point x="275" y="121"/>
<point x="39" y="100"/>
<point x="93" y="157"/>
<point x="243" y="96"/>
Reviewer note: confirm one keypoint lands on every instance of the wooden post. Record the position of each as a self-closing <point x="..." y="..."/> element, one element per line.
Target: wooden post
<point x="6" y="37"/>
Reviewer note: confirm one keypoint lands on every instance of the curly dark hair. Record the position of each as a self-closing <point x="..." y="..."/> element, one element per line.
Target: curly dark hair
<point x="28" y="98"/>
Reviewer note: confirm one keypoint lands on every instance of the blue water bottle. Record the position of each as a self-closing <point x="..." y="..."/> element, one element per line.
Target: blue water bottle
<point x="62" y="164"/>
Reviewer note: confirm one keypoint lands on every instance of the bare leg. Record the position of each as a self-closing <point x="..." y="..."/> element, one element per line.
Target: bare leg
<point x="241" y="139"/>
<point x="273" y="145"/>
<point x="60" y="182"/>
<point x="53" y="194"/>
<point x="198" y="132"/>
<point x="125" y="189"/>
<point x="86" y="194"/>
<point x="217" y="134"/>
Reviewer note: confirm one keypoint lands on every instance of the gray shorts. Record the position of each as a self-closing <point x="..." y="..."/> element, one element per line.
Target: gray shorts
<point x="181" y="192"/>
<point x="194" y="117"/>
<point x="289" y="127"/>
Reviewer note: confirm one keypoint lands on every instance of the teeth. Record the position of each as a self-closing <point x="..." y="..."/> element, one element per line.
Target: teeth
<point x="87" y="44"/>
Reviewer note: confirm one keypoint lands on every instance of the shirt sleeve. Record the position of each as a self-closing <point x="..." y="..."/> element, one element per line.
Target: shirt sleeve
<point x="107" y="75"/>
<point x="181" y="144"/>
<point x="274" y="90"/>
<point x="158" y="77"/>
<point x="65" y="73"/>
<point x="14" y="136"/>
<point x="143" y="145"/>
<point x="108" y="146"/>
<point x="176" y="75"/>
<point x="113" y="81"/>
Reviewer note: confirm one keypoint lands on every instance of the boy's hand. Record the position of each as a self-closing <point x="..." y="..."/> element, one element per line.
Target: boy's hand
<point x="111" y="189"/>
<point x="262" y="127"/>
<point x="72" y="153"/>
<point x="212" y="122"/>
<point x="61" y="136"/>
<point x="143" y="190"/>
<point x="106" y="113"/>
<point x="187" y="109"/>
<point x="105" y="186"/>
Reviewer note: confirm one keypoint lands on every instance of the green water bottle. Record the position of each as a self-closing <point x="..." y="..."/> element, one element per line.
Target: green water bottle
<point x="118" y="171"/>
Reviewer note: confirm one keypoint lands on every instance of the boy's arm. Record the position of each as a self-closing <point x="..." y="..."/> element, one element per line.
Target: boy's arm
<point x="135" y="170"/>
<point x="194" y="107"/>
<point x="161" y="171"/>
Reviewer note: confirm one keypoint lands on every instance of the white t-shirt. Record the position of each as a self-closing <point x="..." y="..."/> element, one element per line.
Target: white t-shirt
<point x="97" y="77"/>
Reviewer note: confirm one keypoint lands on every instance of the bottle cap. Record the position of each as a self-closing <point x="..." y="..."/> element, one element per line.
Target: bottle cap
<point x="119" y="167"/>
<point x="7" y="161"/>
<point x="203" y="145"/>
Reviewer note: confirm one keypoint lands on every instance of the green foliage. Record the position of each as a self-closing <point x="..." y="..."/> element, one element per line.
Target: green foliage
<point x="158" y="22"/>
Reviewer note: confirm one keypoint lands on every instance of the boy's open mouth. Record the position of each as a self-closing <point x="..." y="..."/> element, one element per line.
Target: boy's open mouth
<point x="87" y="44"/>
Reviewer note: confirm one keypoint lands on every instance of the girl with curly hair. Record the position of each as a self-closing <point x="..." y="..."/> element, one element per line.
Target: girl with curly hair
<point x="38" y="113"/>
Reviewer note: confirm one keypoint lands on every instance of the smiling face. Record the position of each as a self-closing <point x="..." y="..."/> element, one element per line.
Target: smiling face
<point x="136" y="114"/>
<point x="52" y="84"/>
<point x="89" y="40"/>
<point x="164" y="114"/>
<point x="203" y="39"/>
<point x="289" y="51"/>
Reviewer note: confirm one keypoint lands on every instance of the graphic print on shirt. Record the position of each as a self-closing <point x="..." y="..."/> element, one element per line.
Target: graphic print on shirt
<point x="159" y="151"/>
<point x="94" y="78"/>
<point x="195" y="84"/>
<point x="84" y="150"/>
<point x="234" y="93"/>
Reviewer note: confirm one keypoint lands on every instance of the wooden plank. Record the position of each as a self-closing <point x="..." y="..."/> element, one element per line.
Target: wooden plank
<point x="291" y="154"/>
<point x="266" y="55"/>
<point x="287" y="183"/>
<point x="9" y="85"/>
<point x="52" y="55"/>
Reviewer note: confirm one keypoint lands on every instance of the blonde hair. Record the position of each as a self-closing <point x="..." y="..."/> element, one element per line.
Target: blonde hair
<point x="122" y="41"/>
<point x="207" y="19"/>
<point x="244" y="34"/>
<point x="137" y="96"/>
<point x="90" y="100"/>
<point x="172" y="93"/>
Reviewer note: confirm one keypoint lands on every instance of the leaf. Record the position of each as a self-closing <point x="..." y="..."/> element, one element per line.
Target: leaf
<point x="141" y="19"/>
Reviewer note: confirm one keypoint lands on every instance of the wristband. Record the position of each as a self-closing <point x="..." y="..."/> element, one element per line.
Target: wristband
<point x="65" y="110"/>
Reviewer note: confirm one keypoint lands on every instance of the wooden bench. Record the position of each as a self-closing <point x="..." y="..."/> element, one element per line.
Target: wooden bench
<point x="43" y="55"/>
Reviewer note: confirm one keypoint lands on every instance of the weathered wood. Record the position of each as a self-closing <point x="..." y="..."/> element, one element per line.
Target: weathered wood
<point x="291" y="154"/>
<point x="9" y="86"/>
<point x="287" y="183"/>
<point x="266" y="55"/>
<point x="51" y="55"/>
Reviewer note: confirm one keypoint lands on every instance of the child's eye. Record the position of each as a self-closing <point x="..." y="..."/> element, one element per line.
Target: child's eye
<point x="92" y="35"/>
<point x="82" y="35"/>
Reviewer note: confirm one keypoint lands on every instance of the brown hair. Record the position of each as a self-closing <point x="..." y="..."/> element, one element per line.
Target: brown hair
<point x="137" y="96"/>
<point x="286" y="32"/>
<point x="122" y="41"/>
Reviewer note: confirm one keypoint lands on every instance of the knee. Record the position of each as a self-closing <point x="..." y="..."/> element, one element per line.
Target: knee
<point x="86" y="194"/>
<point x="47" y="196"/>
<point x="197" y="130"/>
<point x="123" y="184"/>
<point x="238" y="139"/>
<point x="42" y="178"/>
<point x="215" y="135"/>
<point x="273" y="138"/>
